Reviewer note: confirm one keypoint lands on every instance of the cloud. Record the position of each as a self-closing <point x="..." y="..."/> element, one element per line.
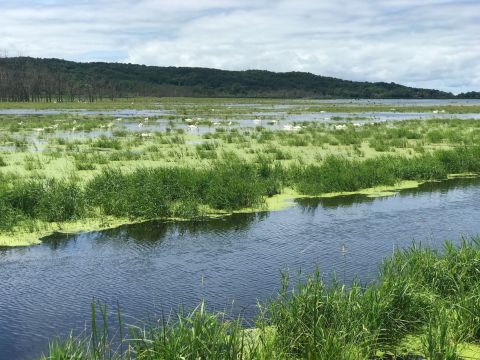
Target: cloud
<point x="434" y="43"/>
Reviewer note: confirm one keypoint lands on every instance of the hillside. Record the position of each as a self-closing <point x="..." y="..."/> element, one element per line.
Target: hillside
<point x="30" y="79"/>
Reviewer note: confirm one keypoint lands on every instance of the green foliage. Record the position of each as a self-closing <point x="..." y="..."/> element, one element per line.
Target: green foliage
<point x="440" y="342"/>
<point x="29" y="79"/>
<point x="8" y="216"/>
<point x="229" y="183"/>
<point x="103" y="142"/>
<point x="146" y="193"/>
<point x="199" y="335"/>
<point x="337" y="174"/>
<point x="233" y="185"/>
<point x="48" y="200"/>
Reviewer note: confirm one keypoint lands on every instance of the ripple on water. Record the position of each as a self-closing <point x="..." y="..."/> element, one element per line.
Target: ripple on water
<point x="154" y="267"/>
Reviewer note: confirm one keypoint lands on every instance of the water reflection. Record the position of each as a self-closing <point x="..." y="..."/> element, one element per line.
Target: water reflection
<point x="152" y="233"/>
<point x="312" y="204"/>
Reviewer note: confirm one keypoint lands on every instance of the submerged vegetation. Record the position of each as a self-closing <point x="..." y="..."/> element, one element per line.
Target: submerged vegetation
<point x="424" y="303"/>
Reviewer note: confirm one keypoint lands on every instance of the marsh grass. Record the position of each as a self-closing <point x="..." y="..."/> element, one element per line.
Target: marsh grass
<point x="103" y="142"/>
<point x="419" y="292"/>
<point x="67" y="136"/>
<point x="441" y="342"/>
<point x="314" y="160"/>
<point x="337" y="174"/>
<point x="32" y="162"/>
<point x="228" y="183"/>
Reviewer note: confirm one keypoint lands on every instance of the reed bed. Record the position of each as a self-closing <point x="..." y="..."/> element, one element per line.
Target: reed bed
<point x="338" y="174"/>
<point x="228" y="184"/>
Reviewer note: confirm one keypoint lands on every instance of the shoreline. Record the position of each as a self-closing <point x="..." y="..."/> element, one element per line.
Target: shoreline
<point x="278" y="202"/>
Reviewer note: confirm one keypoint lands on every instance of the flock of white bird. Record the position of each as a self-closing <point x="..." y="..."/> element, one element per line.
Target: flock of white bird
<point x="193" y="124"/>
<point x="290" y="127"/>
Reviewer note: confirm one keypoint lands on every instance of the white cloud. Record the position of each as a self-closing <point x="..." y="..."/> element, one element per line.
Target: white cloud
<point x="435" y="44"/>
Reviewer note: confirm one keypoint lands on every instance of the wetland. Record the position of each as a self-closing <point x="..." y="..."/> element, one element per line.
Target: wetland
<point x="162" y="204"/>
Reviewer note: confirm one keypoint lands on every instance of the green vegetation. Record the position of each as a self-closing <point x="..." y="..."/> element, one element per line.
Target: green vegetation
<point x="198" y="158"/>
<point x="54" y="80"/>
<point x="227" y="185"/>
<point x="71" y="172"/>
<point x="424" y="302"/>
<point x="341" y="175"/>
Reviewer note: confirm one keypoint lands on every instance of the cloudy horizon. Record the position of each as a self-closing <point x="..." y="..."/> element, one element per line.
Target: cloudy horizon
<point x="435" y="44"/>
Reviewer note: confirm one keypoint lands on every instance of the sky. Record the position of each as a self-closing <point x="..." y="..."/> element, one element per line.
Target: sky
<point x="421" y="43"/>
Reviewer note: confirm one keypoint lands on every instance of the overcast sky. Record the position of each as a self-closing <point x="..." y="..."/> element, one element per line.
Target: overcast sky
<point x="422" y="43"/>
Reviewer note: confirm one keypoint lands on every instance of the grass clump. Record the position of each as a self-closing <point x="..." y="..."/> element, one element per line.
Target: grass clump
<point x="337" y="174"/>
<point x="48" y="200"/>
<point x="228" y="184"/>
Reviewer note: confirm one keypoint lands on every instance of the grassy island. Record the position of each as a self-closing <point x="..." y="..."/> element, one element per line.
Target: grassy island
<point x="88" y="170"/>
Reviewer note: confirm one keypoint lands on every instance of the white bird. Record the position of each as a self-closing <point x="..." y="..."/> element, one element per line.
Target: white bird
<point x="192" y="127"/>
<point x="340" y="127"/>
<point x="188" y="120"/>
<point x="145" y="135"/>
<point x="357" y="124"/>
<point x="435" y="111"/>
<point x="140" y="125"/>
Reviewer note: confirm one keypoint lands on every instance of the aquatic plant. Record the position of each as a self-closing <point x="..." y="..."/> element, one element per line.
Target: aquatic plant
<point x="337" y="174"/>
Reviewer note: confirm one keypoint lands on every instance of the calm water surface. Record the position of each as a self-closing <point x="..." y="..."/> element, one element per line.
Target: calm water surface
<point x="153" y="267"/>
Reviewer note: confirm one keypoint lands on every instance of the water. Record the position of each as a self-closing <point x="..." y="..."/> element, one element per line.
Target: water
<point x="231" y="262"/>
<point x="245" y="119"/>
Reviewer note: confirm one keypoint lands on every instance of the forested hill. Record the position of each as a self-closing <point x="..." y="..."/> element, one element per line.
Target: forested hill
<point x="29" y="79"/>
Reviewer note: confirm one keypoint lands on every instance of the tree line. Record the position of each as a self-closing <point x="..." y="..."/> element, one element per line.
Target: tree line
<point x="28" y="79"/>
<point x="22" y="80"/>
